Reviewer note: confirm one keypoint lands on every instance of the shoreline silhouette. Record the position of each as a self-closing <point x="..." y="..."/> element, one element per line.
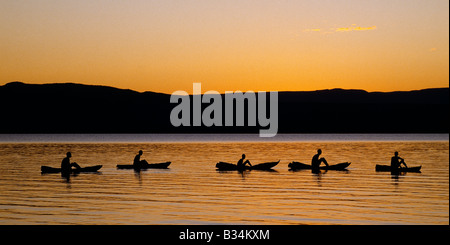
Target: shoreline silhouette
<point x="77" y="108"/>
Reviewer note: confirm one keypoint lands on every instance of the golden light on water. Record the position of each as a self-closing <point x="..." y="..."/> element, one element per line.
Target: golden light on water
<point x="192" y="191"/>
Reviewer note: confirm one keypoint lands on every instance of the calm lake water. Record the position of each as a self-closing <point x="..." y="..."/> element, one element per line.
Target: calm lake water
<point x="191" y="191"/>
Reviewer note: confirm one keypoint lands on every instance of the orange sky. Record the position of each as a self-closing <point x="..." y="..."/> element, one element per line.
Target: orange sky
<point x="164" y="46"/>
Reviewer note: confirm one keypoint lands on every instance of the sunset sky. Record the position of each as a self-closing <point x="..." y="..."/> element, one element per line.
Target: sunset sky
<point x="260" y="45"/>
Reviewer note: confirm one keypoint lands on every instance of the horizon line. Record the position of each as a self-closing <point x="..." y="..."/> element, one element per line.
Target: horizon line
<point x="191" y="93"/>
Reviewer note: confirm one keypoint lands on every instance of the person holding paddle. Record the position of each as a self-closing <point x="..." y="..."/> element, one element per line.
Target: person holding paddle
<point x="241" y="164"/>
<point x="316" y="161"/>
<point x="66" y="166"/>
<point x="397" y="161"/>
<point x="137" y="162"/>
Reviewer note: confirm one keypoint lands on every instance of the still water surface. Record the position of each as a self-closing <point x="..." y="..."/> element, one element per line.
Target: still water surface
<point x="191" y="191"/>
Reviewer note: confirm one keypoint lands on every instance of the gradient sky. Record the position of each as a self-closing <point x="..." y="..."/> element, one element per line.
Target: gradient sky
<point x="260" y="45"/>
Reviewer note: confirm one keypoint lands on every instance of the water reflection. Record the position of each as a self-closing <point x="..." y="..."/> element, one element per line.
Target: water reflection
<point x="318" y="175"/>
<point x="192" y="191"/>
<point x="138" y="176"/>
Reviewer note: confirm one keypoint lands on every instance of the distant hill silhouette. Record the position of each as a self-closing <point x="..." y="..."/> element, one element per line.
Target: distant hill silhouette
<point x="76" y="108"/>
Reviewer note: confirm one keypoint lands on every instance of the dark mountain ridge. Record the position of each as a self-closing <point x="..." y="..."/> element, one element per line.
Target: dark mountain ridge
<point x="77" y="108"/>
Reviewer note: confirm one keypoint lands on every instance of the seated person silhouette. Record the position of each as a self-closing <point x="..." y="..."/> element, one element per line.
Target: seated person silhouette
<point x="137" y="162"/>
<point x="316" y="161"/>
<point x="397" y="161"/>
<point x="241" y="164"/>
<point x="66" y="166"/>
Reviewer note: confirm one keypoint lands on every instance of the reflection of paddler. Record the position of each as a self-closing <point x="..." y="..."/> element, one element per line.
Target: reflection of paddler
<point x="137" y="162"/>
<point x="66" y="166"/>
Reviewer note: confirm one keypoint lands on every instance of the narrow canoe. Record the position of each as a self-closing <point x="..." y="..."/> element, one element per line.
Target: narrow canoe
<point x="224" y="166"/>
<point x="150" y="165"/>
<point x="47" y="169"/>
<point x="387" y="168"/>
<point x="299" y="165"/>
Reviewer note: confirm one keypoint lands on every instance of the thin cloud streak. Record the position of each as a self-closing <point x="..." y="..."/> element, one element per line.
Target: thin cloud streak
<point x="341" y="29"/>
<point x="355" y="28"/>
